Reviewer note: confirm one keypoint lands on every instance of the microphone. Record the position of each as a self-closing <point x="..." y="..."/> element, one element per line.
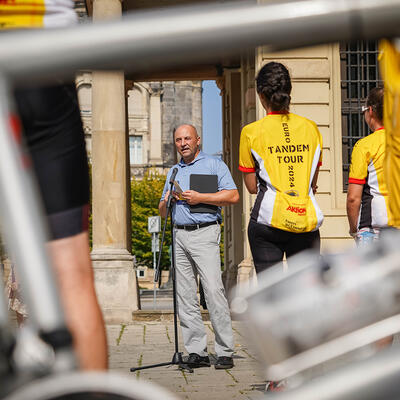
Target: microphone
<point x="173" y="175"/>
<point x="171" y="182"/>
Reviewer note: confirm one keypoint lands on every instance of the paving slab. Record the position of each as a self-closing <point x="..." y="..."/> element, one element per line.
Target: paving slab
<point x="148" y="342"/>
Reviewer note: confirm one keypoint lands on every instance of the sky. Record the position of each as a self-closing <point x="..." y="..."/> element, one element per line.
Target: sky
<point x="212" y="118"/>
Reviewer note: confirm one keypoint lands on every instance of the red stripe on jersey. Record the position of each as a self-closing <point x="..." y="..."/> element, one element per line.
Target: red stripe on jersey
<point x="357" y="181"/>
<point x="244" y="169"/>
<point x="278" y="112"/>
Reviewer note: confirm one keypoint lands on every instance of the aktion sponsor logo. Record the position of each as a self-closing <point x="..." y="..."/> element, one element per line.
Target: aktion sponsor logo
<point x="297" y="210"/>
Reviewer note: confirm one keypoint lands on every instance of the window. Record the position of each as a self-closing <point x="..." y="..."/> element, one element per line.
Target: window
<point x="135" y="149"/>
<point x="359" y="74"/>
<point x="140" y="273"/>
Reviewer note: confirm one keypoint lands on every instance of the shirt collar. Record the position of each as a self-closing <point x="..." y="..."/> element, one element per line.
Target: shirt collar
<point x="199" y="157"/>
<point x="278" y="112"/>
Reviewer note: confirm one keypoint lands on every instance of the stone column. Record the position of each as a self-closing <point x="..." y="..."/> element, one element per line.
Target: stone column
<point x="115" y="277"/>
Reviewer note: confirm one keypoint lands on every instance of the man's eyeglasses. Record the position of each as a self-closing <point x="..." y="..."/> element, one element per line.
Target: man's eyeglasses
<point x="364" y="108"/>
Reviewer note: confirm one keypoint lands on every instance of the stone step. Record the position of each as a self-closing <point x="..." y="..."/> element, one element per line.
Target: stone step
<point x="160" y="315"/>
<point x="159" y="293"/>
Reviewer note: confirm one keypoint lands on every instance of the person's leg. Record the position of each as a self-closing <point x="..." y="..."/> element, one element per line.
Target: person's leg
<point x="54" y="134"/>
<point x="84" y="318"/>
<point x="193" y="331"/>
<point x="205" y="252"/>
<point x="265" y="245"/>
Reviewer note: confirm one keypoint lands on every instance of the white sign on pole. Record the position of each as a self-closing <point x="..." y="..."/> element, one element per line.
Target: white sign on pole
<point x="154" y="224"/>
<point x="155" y="246"/>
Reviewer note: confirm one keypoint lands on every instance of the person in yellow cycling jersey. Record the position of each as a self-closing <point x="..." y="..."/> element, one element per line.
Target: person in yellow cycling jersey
<point x="389" y="60"/>
<point x="52" y="127"/>
<point x="280" y="156"/>
<point x="17" y="14"/>
<point x="367" y="196"/>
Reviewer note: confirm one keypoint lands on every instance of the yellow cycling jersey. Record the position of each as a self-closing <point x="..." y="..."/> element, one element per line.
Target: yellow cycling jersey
<point x="284" y="150"/>
<point x="367" y="164"/>
<point x="390" y="68"/>
<point x="17" y="14"/>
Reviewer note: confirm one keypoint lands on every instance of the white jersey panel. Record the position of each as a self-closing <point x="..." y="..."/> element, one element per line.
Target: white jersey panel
<point x="318" y="211"/>
<point x="59" y="13"/>
<point x="379" y="216"/>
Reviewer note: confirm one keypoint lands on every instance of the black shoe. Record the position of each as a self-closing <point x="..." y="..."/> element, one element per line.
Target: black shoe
<point x="196" y="361"/>
<point x="224" y="363"/>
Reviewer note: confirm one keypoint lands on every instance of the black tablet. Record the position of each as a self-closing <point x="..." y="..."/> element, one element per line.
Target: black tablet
<point x="204" y="184"/>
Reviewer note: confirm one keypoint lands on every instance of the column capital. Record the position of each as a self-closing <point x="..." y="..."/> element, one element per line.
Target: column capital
<point x="106" y="9"/>
<point x="94" y="1"/>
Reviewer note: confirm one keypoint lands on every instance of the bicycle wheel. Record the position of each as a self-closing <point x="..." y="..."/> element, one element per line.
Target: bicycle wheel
<point x="89" y="386"/>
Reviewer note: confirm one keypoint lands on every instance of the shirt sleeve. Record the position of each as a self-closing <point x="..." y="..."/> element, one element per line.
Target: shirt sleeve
<point x="246" y="161"/>
<point x="359" y="165"/>
<point x="225" y="180"/>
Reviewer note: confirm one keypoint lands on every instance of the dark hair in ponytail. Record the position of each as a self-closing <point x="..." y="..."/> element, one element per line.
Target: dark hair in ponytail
<point x="375" y="100"/>
<point x="273" y="82"/>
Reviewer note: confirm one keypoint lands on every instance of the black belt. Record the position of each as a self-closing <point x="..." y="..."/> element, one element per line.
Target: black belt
<point x="193" y="227"/>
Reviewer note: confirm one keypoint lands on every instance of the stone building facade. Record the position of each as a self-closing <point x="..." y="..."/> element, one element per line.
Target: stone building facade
<point x="154" y="110"/>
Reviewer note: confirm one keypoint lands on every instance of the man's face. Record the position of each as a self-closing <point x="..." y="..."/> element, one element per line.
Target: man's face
<point x="187" y="143"/>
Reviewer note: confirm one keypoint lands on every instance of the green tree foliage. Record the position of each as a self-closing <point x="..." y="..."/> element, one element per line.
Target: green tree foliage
<point x="146" y="194"/>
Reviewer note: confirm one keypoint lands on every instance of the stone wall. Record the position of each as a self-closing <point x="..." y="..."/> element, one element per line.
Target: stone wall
<point x="181" y="104"/>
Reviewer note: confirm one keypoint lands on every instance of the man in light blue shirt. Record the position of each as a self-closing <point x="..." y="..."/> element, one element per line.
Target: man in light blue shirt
<point x="197" y="238"/>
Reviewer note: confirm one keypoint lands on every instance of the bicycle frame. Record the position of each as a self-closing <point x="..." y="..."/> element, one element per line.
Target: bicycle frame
<point x="186" y="35"/>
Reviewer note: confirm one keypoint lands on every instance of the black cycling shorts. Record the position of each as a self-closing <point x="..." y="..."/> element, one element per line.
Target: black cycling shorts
<point x="268" y="245"/>
<point x="54" y="135"/>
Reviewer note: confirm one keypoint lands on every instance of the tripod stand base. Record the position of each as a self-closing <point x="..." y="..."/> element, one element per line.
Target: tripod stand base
<point x="176" y="360"/>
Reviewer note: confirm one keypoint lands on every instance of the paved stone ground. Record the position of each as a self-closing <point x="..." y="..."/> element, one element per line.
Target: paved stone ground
<point x="145" y="343"/>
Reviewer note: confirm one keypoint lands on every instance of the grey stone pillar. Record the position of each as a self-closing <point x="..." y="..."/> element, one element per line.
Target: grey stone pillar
<point x="115" y="277"/>
<point x="197" y="107"/>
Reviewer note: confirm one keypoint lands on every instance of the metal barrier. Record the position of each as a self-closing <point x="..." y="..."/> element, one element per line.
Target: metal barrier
<point x="165" y="38"/>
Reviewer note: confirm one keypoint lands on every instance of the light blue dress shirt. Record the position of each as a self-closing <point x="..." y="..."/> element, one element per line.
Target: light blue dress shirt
<point x="202" y="164"/>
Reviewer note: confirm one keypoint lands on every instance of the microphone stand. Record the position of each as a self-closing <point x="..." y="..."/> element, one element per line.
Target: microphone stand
<point x="177" y="357"/>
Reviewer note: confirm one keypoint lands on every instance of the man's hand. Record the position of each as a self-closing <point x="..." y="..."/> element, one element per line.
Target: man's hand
<point x="162" y="207"/>
<point x="174" y="194"/>
<point x="192" y="197"/>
